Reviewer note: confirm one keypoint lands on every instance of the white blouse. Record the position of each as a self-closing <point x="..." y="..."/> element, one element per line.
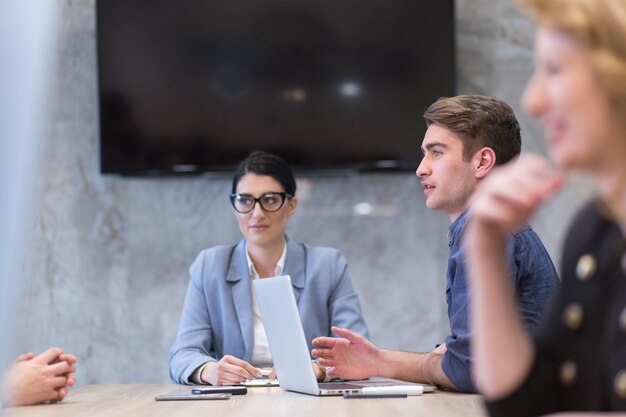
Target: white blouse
<point x="261" y="356"/>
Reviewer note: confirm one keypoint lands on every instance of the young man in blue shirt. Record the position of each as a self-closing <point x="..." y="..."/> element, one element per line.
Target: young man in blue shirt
<point x="467" y="137"/>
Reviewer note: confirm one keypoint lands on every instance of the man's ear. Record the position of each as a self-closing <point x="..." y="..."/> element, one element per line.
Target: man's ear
<point x="484" y="161"/>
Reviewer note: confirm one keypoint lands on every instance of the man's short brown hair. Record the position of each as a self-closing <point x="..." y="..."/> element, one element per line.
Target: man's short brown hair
<point x="479" y="121"/>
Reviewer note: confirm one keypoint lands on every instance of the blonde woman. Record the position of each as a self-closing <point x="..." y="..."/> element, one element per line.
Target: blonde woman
<point x="577" y="361"/>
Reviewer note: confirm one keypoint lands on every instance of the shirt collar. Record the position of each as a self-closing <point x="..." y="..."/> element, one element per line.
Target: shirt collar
<point x="278" y="269"/>
<point x="457" y="227"/>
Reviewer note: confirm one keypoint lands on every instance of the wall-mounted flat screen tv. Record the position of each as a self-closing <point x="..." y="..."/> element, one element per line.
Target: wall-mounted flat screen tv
<point x="192" y="86"/>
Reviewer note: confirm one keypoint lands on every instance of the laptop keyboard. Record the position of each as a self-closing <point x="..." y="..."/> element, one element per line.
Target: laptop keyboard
<point x="338" y="385"/>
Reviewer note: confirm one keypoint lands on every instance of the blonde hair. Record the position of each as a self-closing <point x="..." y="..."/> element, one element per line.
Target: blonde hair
<point x="600" y="26"/>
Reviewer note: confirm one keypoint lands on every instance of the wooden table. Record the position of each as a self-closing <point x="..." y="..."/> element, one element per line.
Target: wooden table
<point x="138" y="400"/>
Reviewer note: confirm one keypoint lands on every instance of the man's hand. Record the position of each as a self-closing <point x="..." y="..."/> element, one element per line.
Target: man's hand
<point x="351" y="356"/>
<point x="229" y="370"/>
<point x="34" y="380"/>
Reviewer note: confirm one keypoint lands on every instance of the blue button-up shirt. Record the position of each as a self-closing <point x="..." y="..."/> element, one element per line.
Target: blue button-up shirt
<point x="532" y="274"/>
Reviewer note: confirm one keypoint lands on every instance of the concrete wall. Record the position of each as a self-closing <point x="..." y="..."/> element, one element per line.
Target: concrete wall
<point x="107" y="257"/>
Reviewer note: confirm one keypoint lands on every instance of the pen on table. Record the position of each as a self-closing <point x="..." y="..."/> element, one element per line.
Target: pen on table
<point x="394" y="389"/>
<point x="351" y="395"/>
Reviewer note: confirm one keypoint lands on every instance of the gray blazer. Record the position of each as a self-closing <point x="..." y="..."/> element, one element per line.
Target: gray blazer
<point x="217" y="314"/>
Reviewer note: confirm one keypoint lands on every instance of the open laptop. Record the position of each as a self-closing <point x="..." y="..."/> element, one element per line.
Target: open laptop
<point x="290" y="352"/>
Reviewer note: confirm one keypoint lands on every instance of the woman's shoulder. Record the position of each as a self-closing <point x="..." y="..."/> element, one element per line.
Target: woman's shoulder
<point x="325" y="252"/>
<point x="220" y="249"/>
<point x="315" y="256"/>
<point x="214" y="263"/>
<point x="217" y="253"/>
<point x="590" y="231"/>
<point x="590" y="220"/>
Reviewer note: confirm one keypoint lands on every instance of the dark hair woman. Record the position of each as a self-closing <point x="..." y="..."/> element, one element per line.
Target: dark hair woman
<point x="221" y="339"/>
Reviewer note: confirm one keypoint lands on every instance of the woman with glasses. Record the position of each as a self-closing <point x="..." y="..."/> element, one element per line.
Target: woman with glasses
<point x="221" y="339"/>
<point x="577" y="359"/>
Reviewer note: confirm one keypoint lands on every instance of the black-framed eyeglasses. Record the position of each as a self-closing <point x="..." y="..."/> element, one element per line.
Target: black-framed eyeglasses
<point x="270" y="202"/>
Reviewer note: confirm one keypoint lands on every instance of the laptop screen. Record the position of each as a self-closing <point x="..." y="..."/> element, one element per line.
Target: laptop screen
<point x="290" y="352"/>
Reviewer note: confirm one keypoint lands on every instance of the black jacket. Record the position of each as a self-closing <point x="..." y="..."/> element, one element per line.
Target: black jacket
<point x="581" y="344"/>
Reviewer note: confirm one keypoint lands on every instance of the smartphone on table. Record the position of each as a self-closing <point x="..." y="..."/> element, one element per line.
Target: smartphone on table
<point x="227" y="389"/>
<point x="192" y="397"/>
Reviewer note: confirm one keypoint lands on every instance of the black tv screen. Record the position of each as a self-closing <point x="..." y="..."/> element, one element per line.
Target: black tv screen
<point x="192" y="86"/>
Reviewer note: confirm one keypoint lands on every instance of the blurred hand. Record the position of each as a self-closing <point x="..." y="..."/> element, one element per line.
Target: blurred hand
<point x="352" y="356"/>
<point x="70" y="359"/>
<point x="24" y="357"/>
<point x="507" y="198"/>
<point x="37" y="379"/>
<point x="228" y="371"/>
